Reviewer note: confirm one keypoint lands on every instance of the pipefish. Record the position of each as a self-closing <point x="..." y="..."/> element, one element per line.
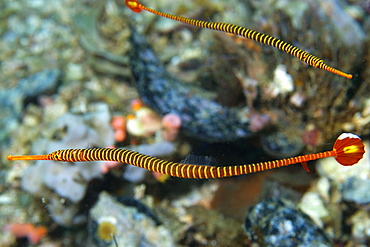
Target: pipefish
<point x="348" y="150"/>
<point x="306" y="57"/>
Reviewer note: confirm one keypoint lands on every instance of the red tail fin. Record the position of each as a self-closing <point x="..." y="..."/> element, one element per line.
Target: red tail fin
<point x="134" y="5"/>
<point x="349" y="148"/>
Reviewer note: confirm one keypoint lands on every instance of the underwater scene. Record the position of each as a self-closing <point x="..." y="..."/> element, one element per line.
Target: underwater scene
<point x="129" y="123"/>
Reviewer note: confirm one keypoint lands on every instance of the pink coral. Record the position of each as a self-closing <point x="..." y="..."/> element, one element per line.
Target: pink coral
<point x="118" y="122"/>
<point x="171" y="124"/>
<point x="119" y="125"/>
<point x="312" y="137"/>
<point x="120" y="135"/>
<point x="259" y="121"/>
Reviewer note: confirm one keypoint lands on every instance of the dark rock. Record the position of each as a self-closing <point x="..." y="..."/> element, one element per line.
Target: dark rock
<point x="275" y="223"/>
